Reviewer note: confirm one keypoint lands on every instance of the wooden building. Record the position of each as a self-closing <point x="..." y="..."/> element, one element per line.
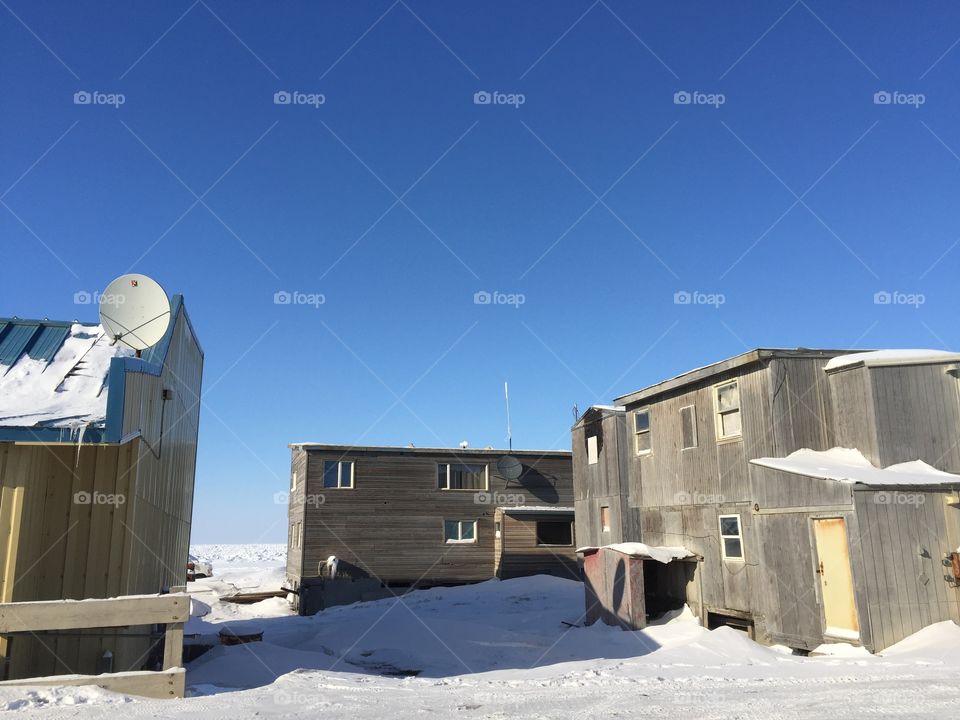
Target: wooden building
<point x="819" y="489"/>
<point x="429" y="516"/>
<point x="97" y="457"/>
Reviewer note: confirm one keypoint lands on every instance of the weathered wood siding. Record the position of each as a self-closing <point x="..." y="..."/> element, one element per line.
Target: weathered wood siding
<point x="603" y="483"/>
<point x="917" y="415"/>
<point x="903" y="538"/>
<point x="297" y="498"/>
<point x="519" y="554"/>
<point x="390" y="524"/>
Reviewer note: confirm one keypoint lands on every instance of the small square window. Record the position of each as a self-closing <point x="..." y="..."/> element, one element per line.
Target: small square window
<point x="461" y="476"/>
<point x="554" y="532"/>
<point x="641" y="430"/>
<point x="337" y="474"/>
<point x="731" y="538"/>
<point x="592" y="453"/>
<point x="460" y="531"/>
<point x="727" y="405"/>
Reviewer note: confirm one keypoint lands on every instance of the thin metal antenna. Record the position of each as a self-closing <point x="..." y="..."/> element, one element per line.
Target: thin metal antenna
<point x="506" y="396"/>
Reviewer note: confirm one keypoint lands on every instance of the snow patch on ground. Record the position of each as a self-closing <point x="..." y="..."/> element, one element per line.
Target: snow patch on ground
<point x="501" y="649"/>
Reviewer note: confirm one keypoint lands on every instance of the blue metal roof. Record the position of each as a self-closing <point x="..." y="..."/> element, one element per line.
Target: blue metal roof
<point x="40" y="339"/>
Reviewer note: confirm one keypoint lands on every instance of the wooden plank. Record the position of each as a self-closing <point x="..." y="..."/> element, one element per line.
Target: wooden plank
<point x="161" y="685"/>
<point x="173" y="646"/>
<point x="79" y="614"/>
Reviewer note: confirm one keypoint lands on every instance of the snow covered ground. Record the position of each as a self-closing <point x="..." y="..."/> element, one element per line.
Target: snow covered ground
<point x="502" y="650"/>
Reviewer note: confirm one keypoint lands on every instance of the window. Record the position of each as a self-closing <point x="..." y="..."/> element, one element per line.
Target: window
<point x="554" y="532"/>
<point x="299" y="534"/>
<point x="496" y="528"/>
<point x="459" y="531"/>
<point x="727" y="401"/>
<point x="293" y="482"/>
<point x="337" y="474"/>
<point x="688" y="427"/>
<point x="592" y="455"/>
<point x="730" y="538"/>
<point x="604" y="518"/>
<point x="457" y="476"/>
<point x="641" y="430"/>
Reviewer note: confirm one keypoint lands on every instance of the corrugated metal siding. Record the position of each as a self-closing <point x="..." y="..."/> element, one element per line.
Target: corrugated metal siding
<point x="38" y="338"/>
<point x="46" y="344"/>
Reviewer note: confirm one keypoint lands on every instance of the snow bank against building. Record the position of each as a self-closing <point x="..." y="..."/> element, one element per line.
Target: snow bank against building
<point x="850" y="466"/>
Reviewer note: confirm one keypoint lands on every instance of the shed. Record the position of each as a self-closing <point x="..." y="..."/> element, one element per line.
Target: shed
<point x="627" y="583"/>
<point x="97" y="457"/>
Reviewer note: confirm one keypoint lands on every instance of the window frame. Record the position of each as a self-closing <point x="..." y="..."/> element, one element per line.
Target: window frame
<point x="718" y="415"/>
<point x="593" y="450"/>
<point x="339" y="485"/>
<point x="693" y="424"/>
<point x="636" y="434"/>
<point x="605" y="528"/>
<point x="460" y="524"/>
<point x="536" y="533"/>
<point x="293" y="481"/>
<point x="486" y="478"/>
<point x="738" y="536"/>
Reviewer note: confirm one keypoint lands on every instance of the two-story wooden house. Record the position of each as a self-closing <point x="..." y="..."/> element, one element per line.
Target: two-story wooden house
<point x="818" y="488"/>
<point x="416" y="517"/>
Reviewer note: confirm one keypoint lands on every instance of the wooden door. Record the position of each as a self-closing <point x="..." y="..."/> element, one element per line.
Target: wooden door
<point x="836" y="578"/>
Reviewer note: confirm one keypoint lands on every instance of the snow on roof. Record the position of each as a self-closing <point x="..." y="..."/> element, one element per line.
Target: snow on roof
<point x="536" y="509"/>
<point x="68" y="390"/>
<point x="880" y="358"/>
<point x="636" y="549"/>
<point x="850" y="466"/>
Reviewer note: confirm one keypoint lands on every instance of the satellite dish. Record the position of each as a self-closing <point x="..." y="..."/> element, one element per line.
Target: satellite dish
<point x="135" y="311"/>
<point x="509" y="467"/>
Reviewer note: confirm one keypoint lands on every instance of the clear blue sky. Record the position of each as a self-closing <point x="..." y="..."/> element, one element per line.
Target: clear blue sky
<point x="796" y="200"/>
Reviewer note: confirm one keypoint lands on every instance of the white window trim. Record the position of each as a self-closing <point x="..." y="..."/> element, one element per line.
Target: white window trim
<point x="636" y="435"/>
<point x="460" y="524"/>
<point x="717" y="416"/>
<point x="340" y="464"/>
<point x="593" y="450"/>
<point x="696" y="432"/>
<point x="738" y="536"/>
<point x="486" y="478"/>
<point x="293" y="481"/>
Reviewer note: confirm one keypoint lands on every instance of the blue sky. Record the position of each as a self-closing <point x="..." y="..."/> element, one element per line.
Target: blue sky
<point x="782" y="198"/>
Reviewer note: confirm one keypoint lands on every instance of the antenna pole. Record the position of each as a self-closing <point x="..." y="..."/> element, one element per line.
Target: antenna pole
<point x="506" y="396"/>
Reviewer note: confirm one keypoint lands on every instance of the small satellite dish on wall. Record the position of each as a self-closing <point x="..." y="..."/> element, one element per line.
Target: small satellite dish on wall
<point x="134" y="311"/>
<point x="509" y="467"/>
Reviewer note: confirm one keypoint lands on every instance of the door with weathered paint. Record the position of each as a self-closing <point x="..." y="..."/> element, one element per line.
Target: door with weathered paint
<point x="836" y="578"/>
